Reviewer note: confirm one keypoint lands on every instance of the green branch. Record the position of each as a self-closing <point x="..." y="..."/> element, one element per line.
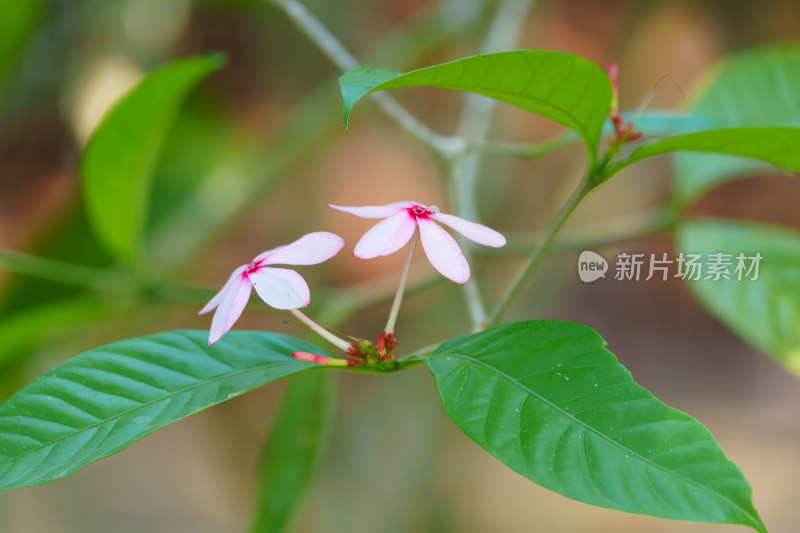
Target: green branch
<point x="539" y="253"/>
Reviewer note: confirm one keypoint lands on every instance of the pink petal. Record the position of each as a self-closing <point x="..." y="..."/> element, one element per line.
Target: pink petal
<point x="443" y="252"/>
<point x="230" y="308"/>
<point x="375" y="211"/>
<point x="307" y="250"/>
<point x="280" y="288"/>
<point x="214" y="302"/>
<point x="472" y="231"/>
<point x="387" y="236"/>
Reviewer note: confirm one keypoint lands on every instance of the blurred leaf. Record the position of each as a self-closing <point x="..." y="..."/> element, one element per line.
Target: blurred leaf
<point x="18" y="20"/>
<point x="777" y="146"/>
<point x="764" y="312"/>
<point x="121" y="155"/>
<point x="562" y="87"/>
<point x="659" y="123"/>
<point x="102" y="401"/>
<point x="754" y="88"/>
<point x="293" y="450"/>
<point x="24" y="330"/>
<point x="549" y="401"/>
<point x="201" y="139"/>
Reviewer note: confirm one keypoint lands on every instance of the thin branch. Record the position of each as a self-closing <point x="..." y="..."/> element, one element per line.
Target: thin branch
<point x="65" y="272"/>
<point x="474" y="125"/>
<point x="107" y="281"/>
<point x="329" y="45"/>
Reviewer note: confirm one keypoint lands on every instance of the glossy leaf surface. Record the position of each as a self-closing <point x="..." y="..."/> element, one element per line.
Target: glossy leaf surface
<point x="548" y="400"/>
<point x="562" y="87"/>
<point x="776" y="146"/>
<point x="102" y="401"/>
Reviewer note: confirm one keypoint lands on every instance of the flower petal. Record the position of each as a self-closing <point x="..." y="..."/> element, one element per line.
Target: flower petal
<point x="387" y="236"/>
<point x="307" y="250"/>
<point x="443" y="252"/>
<point x="472" y="231"/>
<point x="375" y="211"/>
<point x="280" y="288"/>
<point x="214" y="302"/>
<point x="230" y="308"/>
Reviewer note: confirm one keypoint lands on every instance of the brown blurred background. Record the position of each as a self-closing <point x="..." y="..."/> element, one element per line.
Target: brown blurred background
<point x="251" y="163"/>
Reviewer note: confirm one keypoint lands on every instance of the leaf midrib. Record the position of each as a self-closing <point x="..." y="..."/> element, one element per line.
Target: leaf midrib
<point x="594" y="430"/>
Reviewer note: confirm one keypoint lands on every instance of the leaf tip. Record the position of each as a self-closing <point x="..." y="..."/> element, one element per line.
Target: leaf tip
<point x="346" y="118"/>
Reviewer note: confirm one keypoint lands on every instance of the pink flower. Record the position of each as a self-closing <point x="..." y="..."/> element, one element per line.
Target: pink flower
<point x="403" y="218"/>
<point x="278" y="287"/>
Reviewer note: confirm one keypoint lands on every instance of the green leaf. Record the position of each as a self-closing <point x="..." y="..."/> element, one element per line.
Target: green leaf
<point x="756" y="88"/>
<point x="777" y="146"/>
<point x="563" y="87"/>
<point x="293" y="450"/>
<point x="121" y="155"/>
<point x="102" y="401"/>
<point x="18" y="21"/>
<point x="764" y="312"/>
<point x="548" y="400"/>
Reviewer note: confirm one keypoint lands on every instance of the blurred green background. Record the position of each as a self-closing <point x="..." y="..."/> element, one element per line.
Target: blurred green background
<point x="254" y="157"/>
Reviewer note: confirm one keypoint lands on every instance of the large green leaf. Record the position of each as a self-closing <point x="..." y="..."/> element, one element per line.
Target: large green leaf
<point x="777" y="146"/>
<point x="293" y="449"/>
<point x="765" y="312"/>
<point x="562" y="87"/>
<point x="104" y="400"/>
<point x="756" y="88"/>
<point x="121" y="155"/>
<point x="549" y="401"/>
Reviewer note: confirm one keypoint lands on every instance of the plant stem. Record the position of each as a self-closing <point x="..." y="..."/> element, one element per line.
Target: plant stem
<point x="539" y="253"/>
<point x="68" y="273"/>
<point x="401" y="287"/>
<point x="322" y="332"/>
<point x="329" y="45"/>
<point x="474" y="124"/>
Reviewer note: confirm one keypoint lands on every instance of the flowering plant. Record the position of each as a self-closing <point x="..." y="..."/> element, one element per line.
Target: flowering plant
<point x="545" y="397"/>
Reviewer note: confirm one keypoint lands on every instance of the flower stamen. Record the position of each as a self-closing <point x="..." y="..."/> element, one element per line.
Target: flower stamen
<point x="419" y="211"/>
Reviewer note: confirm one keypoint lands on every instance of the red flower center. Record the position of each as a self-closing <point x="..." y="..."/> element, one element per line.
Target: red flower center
<point x="419" y="211"/>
